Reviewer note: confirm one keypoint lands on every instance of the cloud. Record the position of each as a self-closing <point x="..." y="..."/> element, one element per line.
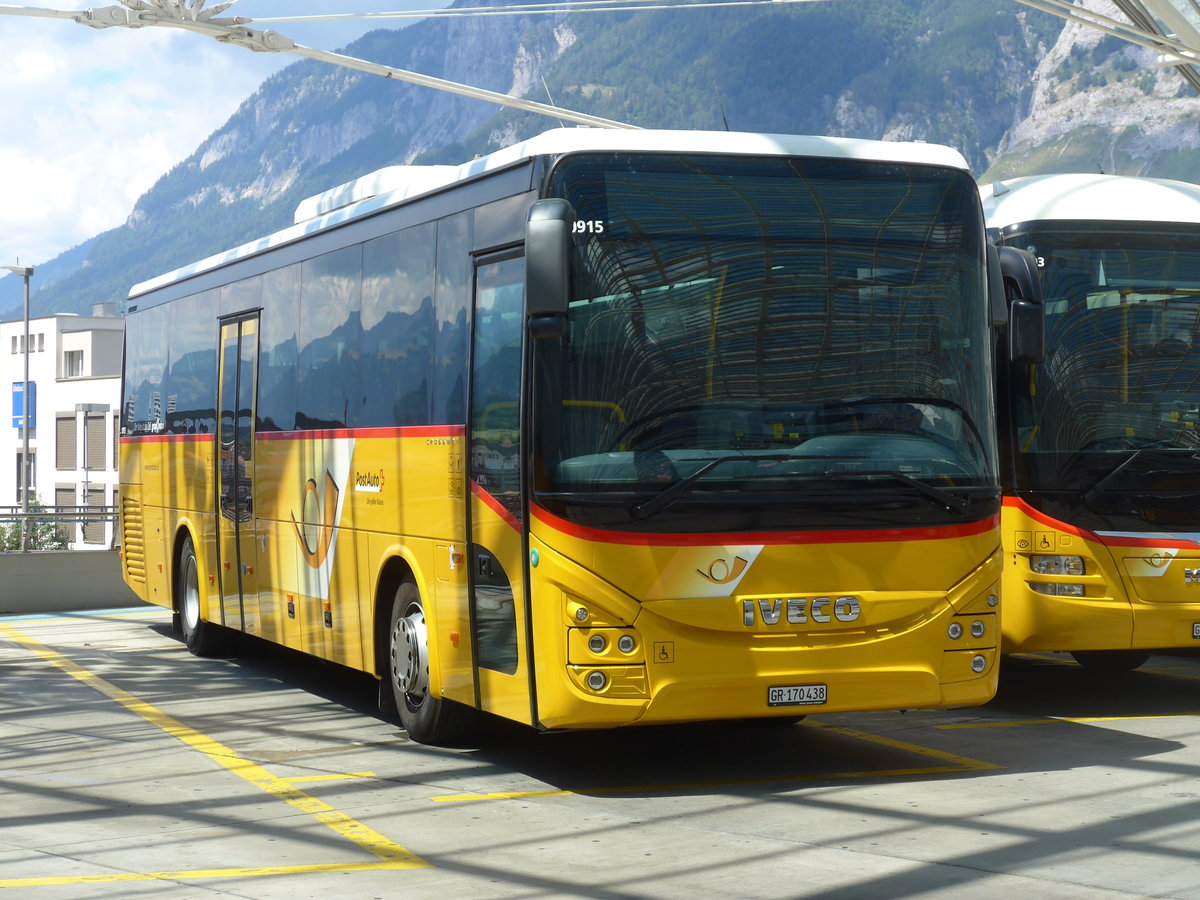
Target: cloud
<point x="91" y="119"/>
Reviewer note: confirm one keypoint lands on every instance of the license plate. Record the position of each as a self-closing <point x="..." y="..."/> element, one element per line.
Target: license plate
<point x="1196" y="630"/>
<point x="800" y="694"/>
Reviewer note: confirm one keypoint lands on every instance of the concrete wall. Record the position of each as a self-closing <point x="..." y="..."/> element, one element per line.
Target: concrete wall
<point x="61" y="581"/>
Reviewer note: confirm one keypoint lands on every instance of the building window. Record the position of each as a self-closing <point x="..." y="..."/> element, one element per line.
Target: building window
<point x="64" y="504"/>
<point x="31" y="487"/>
<point x="65" y="454"/>
<point x="41" y="341"/>
<point x="73" y="364"/>
<point x="14" y="349"/>
<point x="93" y="528"/>
<point x="93" y="428"/>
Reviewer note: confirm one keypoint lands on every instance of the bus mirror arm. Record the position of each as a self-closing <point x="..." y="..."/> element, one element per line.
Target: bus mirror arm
<point x="547" y="263"/>
<point x="997" y="306"/>
<point x="1026" y="314"/>
<point x="553" y="326"/>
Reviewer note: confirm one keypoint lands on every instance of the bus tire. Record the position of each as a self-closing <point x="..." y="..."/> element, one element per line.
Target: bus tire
<point x="202" y="638"/>
<point x="1110" y="660"/>
<point x="427" y="719"/>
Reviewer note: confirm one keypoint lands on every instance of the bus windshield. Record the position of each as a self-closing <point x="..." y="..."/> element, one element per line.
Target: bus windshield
<point x="1120" y="383"/>
<point x="778" y="342"/>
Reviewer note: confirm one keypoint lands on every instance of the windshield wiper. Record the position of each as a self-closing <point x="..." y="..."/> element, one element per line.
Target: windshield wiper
<point x="952" y="502"/>
<point x="665" y="498"/>
<point x="1092" y="493"/>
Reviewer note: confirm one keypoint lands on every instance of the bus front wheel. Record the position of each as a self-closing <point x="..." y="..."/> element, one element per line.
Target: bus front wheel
<point x="426" y="718"/>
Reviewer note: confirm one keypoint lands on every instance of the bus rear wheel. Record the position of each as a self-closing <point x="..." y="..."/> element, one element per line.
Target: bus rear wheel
<point x="202" y="638"/>
<point x="1111" y="660"/>
<point x="427" y="718"/>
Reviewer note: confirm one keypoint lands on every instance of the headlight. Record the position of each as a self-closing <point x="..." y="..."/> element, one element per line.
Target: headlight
<point x="1056" y="565"/>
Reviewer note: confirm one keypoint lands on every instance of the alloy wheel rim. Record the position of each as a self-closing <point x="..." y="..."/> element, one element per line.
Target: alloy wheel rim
<point x="410" y="665"/>
<point x="191" y="595"/>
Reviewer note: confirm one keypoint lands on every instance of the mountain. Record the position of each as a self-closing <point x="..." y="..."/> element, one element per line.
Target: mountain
<point x="1013" y="89"/>
<point x="1100" y="104"/>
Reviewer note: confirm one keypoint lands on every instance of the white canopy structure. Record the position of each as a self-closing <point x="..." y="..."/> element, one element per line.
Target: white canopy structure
<point x="1170" y="26"/>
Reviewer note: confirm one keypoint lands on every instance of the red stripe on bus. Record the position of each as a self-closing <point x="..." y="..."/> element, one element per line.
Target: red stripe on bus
<point x="933" y="533"/>
<point x="1023" y="507"/>
<point x="1164" y="542"/>
<point x="166" y="438"/>
<point x="398" y="431"/>
<point x="316" y="434"/>
<point x="495" y="506"/>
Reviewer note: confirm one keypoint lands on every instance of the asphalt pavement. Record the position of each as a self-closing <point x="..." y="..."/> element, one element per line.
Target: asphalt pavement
<point x="129" y="768"/>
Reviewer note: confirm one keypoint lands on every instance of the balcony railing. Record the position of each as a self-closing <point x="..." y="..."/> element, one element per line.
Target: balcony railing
<point x="63" y="519"/>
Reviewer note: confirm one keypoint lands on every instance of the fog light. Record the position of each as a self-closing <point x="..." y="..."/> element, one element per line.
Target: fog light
<point x="1057" y="590"/>
<point x="993" y="600"/>
<point x="978" y="664"/>
<point x="955" y="631"/>
<point x="626" y="643"/>
<point x="597" y="643"/>
<point x="596" y="681"/>
<point x="977" y="629"/>
<point x="581" y="614"/>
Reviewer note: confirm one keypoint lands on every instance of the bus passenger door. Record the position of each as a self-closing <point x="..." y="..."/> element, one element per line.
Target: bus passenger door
<point x="237" y="559"/>
<point x="496" y="513"/>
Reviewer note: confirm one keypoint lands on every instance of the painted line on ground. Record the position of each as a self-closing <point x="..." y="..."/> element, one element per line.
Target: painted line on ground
<point x="954" y="764"/>
<point x="67" y="615"/>
<point x="1059" y="720"/>
<point x="389" y="854"/>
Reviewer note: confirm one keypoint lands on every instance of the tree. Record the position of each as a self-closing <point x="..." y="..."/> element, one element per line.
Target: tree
<point x="43" y="534"/>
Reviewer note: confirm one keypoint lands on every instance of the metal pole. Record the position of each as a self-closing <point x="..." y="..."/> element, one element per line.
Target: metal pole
<point x="25" y="428"/>
<point x="25" y="272"/>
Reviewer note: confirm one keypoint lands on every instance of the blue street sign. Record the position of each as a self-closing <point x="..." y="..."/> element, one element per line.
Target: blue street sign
<point x="18" y="407"/>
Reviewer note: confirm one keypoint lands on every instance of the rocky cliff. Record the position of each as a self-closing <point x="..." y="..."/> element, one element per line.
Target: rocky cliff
<point x="1013" y="89"/>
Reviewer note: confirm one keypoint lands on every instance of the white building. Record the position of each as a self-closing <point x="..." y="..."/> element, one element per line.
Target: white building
<point x="75" y="373"/>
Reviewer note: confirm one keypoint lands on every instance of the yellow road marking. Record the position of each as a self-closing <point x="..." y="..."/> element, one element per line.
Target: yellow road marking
<point x="955" y="764"/>
<point x="86" y="615"/>
<point x="1171" y="673"/>
<point x="1084" y="720"/>
<point x="192" y="874"/>
<point x="1055" y="720"/>
<point x="964" y="763"/>
<point x="389" y="852"/>
<point x="337" y="776"/>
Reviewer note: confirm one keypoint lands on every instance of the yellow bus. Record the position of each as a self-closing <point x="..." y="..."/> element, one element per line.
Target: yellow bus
<point x="1099" y="442"/>
<point x="605" y="428"/>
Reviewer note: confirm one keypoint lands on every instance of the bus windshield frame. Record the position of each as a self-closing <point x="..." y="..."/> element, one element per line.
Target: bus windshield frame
<point x="783" y="343"/>
<point x="1111" y="415"/>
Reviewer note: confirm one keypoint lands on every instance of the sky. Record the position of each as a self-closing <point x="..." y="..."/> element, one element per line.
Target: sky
<point x="91" y="118"/>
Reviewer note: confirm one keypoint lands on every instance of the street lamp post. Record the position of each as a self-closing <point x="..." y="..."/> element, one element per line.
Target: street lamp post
<point x="26" y="272"/>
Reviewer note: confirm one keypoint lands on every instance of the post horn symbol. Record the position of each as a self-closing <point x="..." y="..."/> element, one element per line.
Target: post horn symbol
<point x="721" y="572"/>
<point x="315" y="556"/>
